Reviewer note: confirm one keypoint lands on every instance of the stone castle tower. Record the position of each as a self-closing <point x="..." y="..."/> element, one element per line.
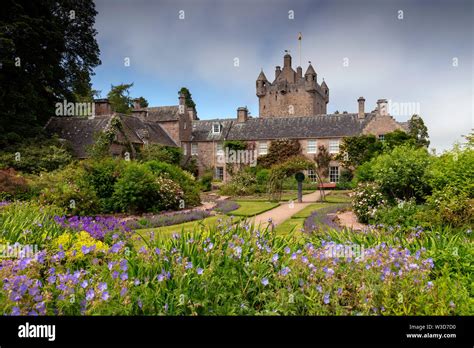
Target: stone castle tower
<point x="291" y="93"/>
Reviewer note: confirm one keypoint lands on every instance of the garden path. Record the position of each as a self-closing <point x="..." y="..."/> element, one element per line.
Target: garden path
<point x="285" y="210"/>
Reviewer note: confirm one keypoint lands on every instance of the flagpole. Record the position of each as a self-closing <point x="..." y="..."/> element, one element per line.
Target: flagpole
<point x="299" y="40"/>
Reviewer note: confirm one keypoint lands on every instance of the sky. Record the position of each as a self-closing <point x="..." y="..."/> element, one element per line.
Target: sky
<point x="415" y="53"/>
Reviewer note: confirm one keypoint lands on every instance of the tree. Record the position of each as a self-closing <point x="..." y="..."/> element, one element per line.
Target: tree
<point x="418" y="131"/>
<point x="187" y="98"/>
<point x="119" y="98"/>
<point x="356" y="150"/>
<point x="280" y="150"/>
<point x="48" y="51"/>
<point x="397" y="138"/>
<point x="142" y="102"/>
<point x="322" y="159"/>
<point x="158" y="152"/>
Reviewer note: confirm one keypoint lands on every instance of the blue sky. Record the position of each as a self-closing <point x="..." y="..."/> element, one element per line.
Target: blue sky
<point x="407" y="60"/>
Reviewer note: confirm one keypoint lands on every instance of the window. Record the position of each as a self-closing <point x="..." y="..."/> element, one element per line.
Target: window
<point x="184" y="125"/>
<point x="262" y="148"/>
<point x="219" y="149"/>
<point x="216" y="128"/>
<point x="333" y="146"/>
<point x="381" y="137"/>
<point x="312" y="175"/>
<point x="220" y="173"/>
<point x="185" y="149"/>
<point x="194" y="149"/>
<point x="333" y="174"/>
<point x="311" y="146"/>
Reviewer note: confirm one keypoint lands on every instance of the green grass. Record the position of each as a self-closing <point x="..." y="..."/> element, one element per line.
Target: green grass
<point x="292" y="225"/>
<point x="286" y="196"/>
<point x="252" y="208"/>
<point x="308" y="210"/>
<point x="167" y="231"/>
<point x="337" y="197"/>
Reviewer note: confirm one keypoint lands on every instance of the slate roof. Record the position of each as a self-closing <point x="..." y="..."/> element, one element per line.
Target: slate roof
<point x="80" y="132"/>
<point x="163" y="113"/>
<point x="202" y="130"/>
<point x="320" y="126"/>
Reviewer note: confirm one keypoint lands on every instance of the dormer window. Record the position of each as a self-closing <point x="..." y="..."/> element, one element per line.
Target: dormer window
<point x="216" y="128"/>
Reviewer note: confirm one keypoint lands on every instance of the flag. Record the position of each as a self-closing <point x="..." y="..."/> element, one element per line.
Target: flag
<point x="300" y="36"/>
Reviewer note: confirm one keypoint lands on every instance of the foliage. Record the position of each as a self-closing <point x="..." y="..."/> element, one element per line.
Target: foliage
<point x="167" y="219"/>
<point x="451" y="206"/>
<point x="368" y="198"/>
<point x="142" y="102"/>
<point x="402" y="173"/>
<point x="357" y="150"/>
<point x="12" y="185"/>
<point x="190" y="165"/>
<point x="187" y="98"/>
<point x="242" y="183"/>
<point x="322" y="159"/>
<point x="397" y="138"/>
<point x="279" y="151"/>
<point x="119" y="98"/>
<point x="206" y="181"/>
<point x="46" y="58"/>
<point x="345" y="180"/>
<point x="418" y="131"/>
<point x="226" y="206"/>
<point x="37" y="154"/>
<point x="235" y="145"/>
<point x="242" y="270"/>
<point x="161" y="153"/>
<point x="405" y="213"/>
<point x="280" y="171"/>
<point x="262" y="177"/>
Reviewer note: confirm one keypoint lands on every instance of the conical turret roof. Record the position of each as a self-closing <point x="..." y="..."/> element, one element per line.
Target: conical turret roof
<point x="262" y="76"/>
<point x="310" y="70"/>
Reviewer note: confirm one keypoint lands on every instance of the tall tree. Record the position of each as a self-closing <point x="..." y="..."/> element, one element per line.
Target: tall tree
<point x="188" y="98"/>
<point x="119" y="98"/>
<point x="47" y="52"/>
<point x="418" y="130"/>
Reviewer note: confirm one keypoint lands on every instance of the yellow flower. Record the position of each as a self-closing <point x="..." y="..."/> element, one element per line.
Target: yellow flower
<point x="73" y="243"/>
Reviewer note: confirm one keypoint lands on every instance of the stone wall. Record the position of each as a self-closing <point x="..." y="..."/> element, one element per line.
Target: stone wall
<point x="381" y="125"/>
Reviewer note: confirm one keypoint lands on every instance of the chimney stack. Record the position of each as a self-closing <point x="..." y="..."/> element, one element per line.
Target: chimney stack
<point x="242" y="114"/>
<point x="136" y="104"/>
<point x="361" y="102"/>
<point x="181" y="99"/>
<point x="277" y="71"/>
<point x="382" y="107"/>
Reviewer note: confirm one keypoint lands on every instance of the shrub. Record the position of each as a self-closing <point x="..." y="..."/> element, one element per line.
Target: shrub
<point x="402" y="173"/>
<point x="12" y="185"/>
<point x="243" y="183"/>
<point x="167" y="219"/>
<point x="367" y="199"/>
<point x="157" y="152"/>
<point x="262" y="177"/>
<point x="67" y="189"/>
<point x="184" y="179"/>
<point x="36" y="155"/>
<point x="279" y="151"/>
<point x="136" y="190"/>
<point x="206" y="181"/>
<point x="405" y="214"/>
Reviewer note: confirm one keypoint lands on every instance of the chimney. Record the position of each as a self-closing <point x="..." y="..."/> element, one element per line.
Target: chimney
<point x="242" y="114"/>
<point x="361" y="102"/>
<point x="102" y="107"/>
<point x="299" y="72"/>
<point x="181" y="99"/>
<point x="277" y="71"/>
<point x="382" y="107"/>
<point x="136" y="104"/>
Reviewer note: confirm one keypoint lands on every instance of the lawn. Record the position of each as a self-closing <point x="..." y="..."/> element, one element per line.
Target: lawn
<point x="286" y="196"/>
<point x="252" y="208"/>
<point x="338" y="197"/>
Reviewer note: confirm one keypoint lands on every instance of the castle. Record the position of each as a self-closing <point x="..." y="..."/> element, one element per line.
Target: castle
<point x="293" y="106"/>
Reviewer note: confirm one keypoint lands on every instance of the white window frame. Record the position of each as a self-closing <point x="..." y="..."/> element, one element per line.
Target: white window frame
<point x="185" y="149"/>
<point x="333" y="144"/>
<point x="194" y="149"/>
<point x="333" y="175"/>
<point x="312" y="148"/>
<point x="381" y="137"/>
<point x="262" y="148"/>
<point x="219" y="126"/>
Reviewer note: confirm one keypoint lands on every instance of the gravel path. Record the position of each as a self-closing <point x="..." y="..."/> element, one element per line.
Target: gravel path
<point x="285" y="210"/>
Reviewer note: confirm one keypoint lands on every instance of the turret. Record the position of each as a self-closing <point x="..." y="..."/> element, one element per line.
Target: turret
<point x="299" y="72"/>
<point x="325" y="89"/>
<point x="277" y="71"/>
<point x="261" y="84"/>
<point x="310" y="79"/>
<point x="287" y="61"/>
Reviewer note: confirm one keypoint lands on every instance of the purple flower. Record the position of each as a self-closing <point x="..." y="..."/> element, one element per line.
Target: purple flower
<point x="136" y="282"/>
<point x="326" y="298"/>
<point x="90" y="294"/>
<point x="123" y="265"/>
<point x="189" y="265"/>
<point x="15" y="311"/>
<point x="123" y="292"/>
<point x="115" y="274"/>
<point x="199" y="271"/>
<point x="105" y="295"/>
<point x="287" y="250"/>
<point x="275" y="258"/>
<point x="319" y="288"/>
<point x="157" y="251"/>
<point x="429" y="285"/>
<point x="102" y="286"/>
<point x="84" y="284"/>
<point x="265" y="281"/>
<point x="124" y="276"/>
<point x="285" y="271"/>
<point x="140" y="304"/>
<point x="85" y="250"/>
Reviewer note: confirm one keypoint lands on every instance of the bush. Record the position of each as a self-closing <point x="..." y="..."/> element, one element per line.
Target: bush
<point x="184" y="179"/>
<point x="262" y="177"/>
<point x="402" y="173"/>
<point x="12" y="185"/>
<point x="243" y="183"/>
<point x="368" y="198"/>
<point x="405" y="214"/>
<point x="136" y="190"/>
<point x="36" y="155"/>
<point x="157" y="152"/>
<point x="69" y="190"/>
<point x="206" y="181"/>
